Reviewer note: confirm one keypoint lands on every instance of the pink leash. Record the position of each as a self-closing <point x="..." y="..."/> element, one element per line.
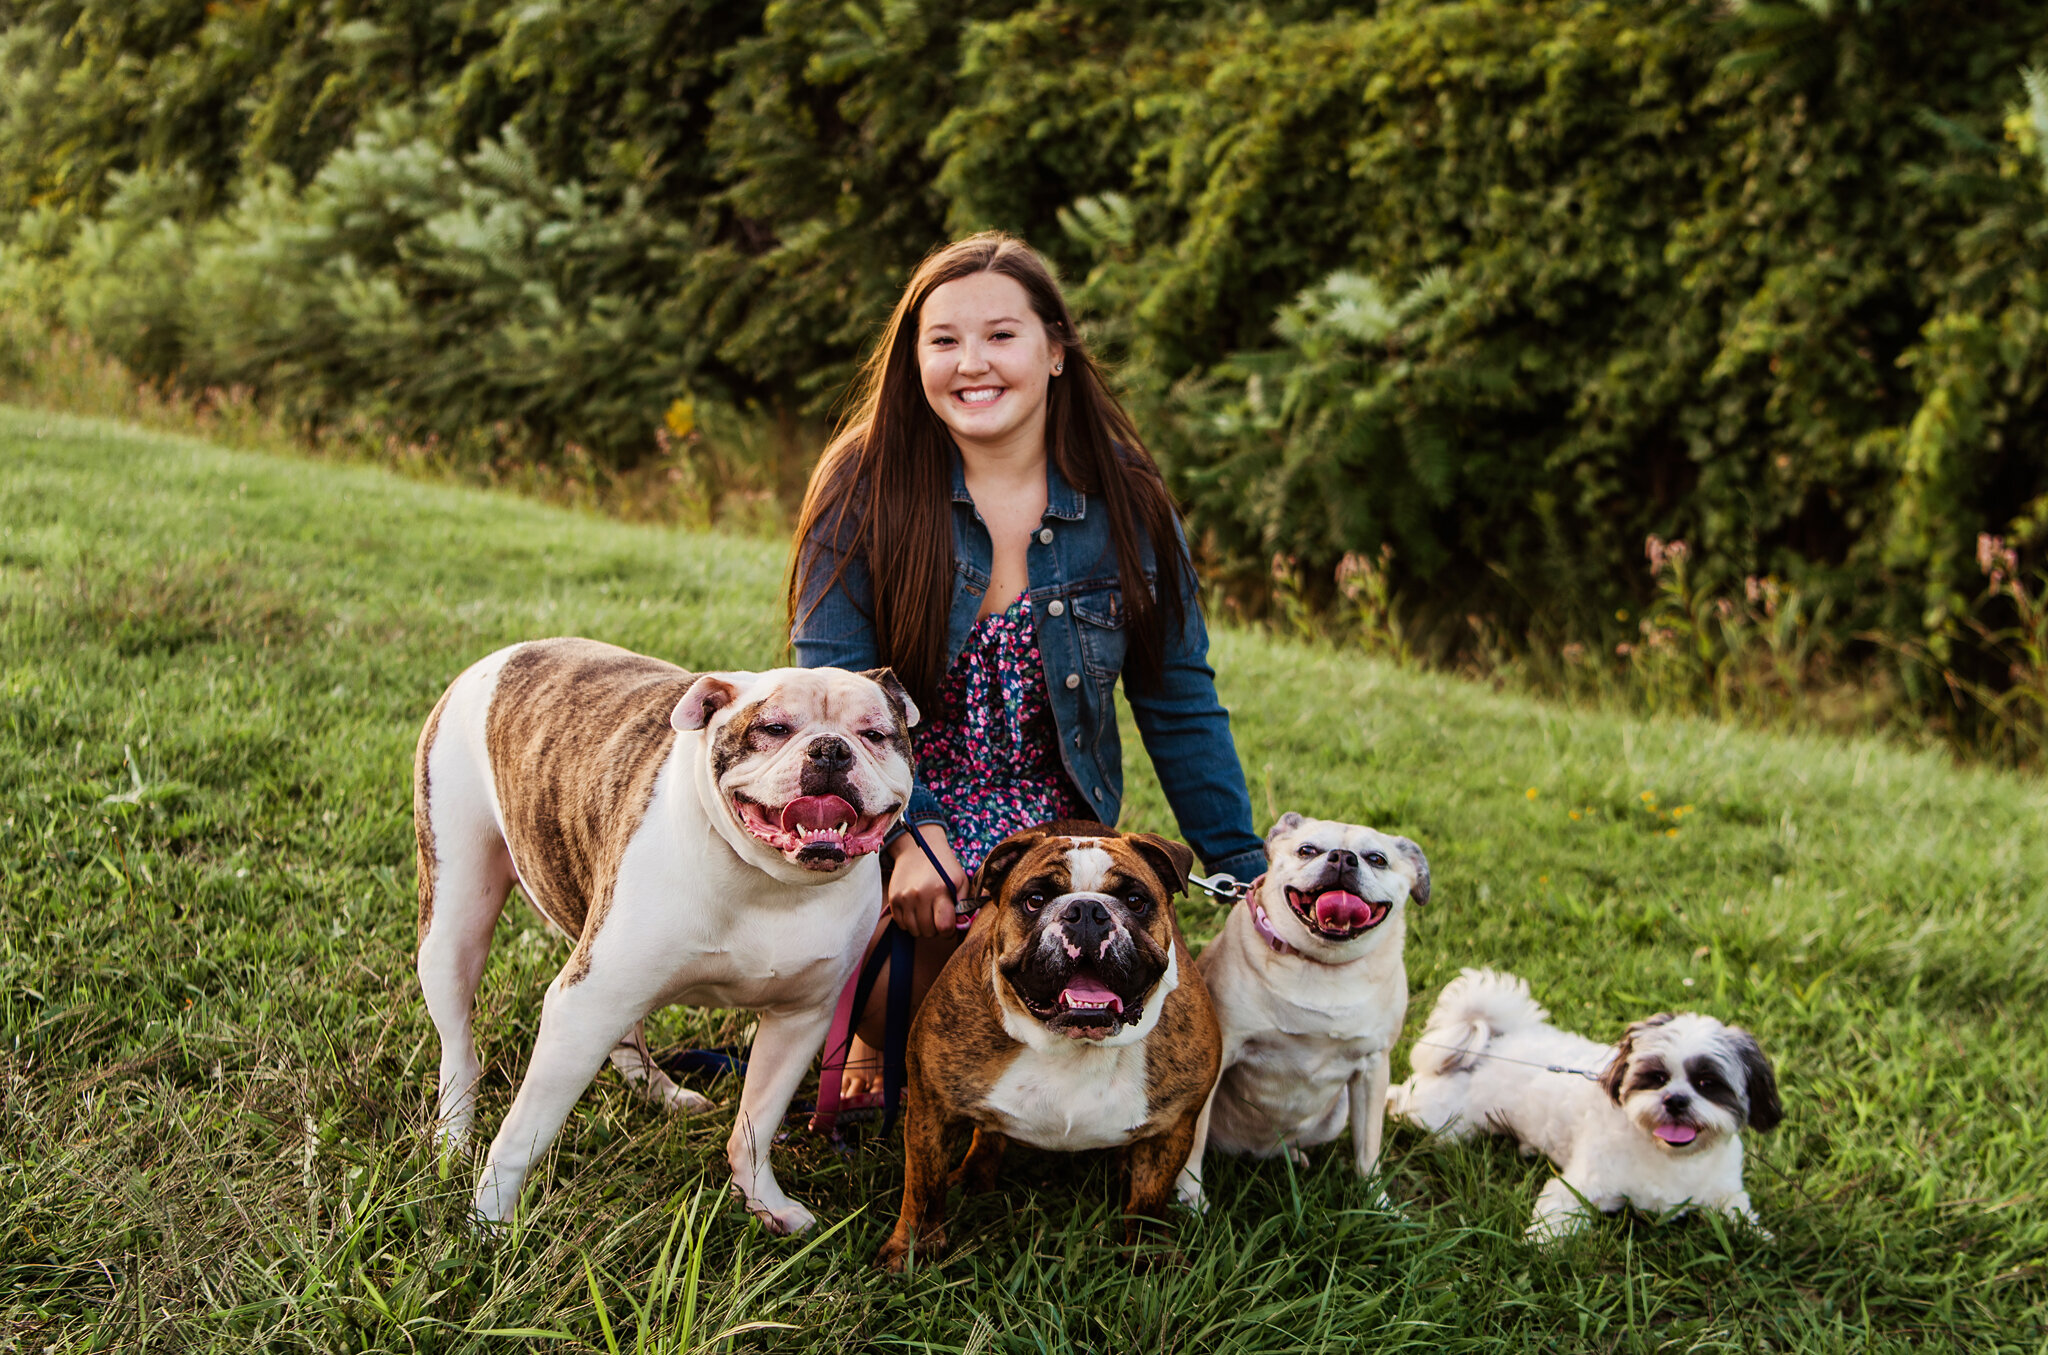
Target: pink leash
<point x="898" y="947"/>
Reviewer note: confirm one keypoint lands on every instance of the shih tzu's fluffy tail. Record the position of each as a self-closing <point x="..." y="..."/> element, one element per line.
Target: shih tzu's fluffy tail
<point x="1474" y="1008"/>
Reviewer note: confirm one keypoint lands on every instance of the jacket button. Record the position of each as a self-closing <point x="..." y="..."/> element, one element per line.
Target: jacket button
<point x="1045" y="538"/>
<point x="1055" y="608"/>
<point x="1098" y="792"/>
<point x="1073" y="681"/>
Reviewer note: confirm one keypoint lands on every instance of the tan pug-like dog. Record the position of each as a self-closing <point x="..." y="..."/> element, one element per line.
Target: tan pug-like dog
<point x="1310" y="991"/>
<point x="1069" y="1019"/>
<point x="709" y="838"/>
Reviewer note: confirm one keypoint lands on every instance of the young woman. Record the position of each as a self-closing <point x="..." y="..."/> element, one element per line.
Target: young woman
<point x="988" y="523"/>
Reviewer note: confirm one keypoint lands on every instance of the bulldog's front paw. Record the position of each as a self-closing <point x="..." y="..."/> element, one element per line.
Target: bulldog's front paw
<point x="894" y="1254"/>
<point x="1187" y="1193"/>
<point x="1380" y="1201"/>
<point x="782" y="1217"/>
<point x="683" y="1101"/>
<point x="785" y="1221"/>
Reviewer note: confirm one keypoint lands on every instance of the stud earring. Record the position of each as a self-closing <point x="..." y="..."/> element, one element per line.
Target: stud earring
<point x="1058" y="367"/>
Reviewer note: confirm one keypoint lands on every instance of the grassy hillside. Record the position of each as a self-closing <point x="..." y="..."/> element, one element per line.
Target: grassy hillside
<point x="217" y="1066"/>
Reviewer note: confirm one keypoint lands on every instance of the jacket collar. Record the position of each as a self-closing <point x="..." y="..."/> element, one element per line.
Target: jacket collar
<point x="1062" y="500"/>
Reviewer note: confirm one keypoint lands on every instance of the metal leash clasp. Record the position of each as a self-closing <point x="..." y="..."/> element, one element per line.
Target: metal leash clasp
<point x="1222" y="886"/>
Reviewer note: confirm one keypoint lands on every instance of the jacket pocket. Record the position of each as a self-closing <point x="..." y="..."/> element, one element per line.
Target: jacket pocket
<point x="1100" y="620"/>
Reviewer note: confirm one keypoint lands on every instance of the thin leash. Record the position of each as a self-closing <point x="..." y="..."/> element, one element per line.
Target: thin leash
<point x="1229" y="887"/>
<point x="1591" y="1075"/>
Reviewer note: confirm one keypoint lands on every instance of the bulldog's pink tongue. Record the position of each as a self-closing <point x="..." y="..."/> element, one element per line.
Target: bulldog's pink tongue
<point x="1088" y="993"/>
<point x="1676" y="1133"/>
<point x="1337" y="909"/>
<point x="816" y="812"/>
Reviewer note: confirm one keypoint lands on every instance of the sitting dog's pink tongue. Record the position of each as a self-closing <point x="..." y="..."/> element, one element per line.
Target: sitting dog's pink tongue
<point x="1086" y="992"/>
<point x="1676" y="1133"/>
<point x="1337" y="909"/>
<point x="815" y="812"/>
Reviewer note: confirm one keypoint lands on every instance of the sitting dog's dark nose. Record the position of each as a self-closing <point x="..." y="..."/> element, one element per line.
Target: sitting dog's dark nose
<point x="1677" y="1103"/>
<point x="1087" y="922"/>
<point x="829" y="753"/>
<point x="1344" y="857"/>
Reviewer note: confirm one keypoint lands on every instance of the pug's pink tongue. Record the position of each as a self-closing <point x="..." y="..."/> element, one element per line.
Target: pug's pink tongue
<point x="1336" y="908"/>
<point x="1676" y="1133"/>
<point x="1089" y="993"/>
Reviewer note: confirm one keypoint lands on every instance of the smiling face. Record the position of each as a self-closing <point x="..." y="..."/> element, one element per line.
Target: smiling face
<point x="811" y="765"/>
<point x="1335" y="883"/>
<point x="985" y="359"/>
<point x="1084" y="924"/>
<point x="1688" y="1081"/>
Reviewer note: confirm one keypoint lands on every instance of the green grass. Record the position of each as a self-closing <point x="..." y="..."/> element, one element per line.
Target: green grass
<point x="217" y="1066"/>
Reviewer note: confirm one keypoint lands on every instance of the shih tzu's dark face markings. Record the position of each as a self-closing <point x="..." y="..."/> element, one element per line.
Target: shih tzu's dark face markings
<point x="1688" y="1080"/>
<point x="1707" y="1079"/>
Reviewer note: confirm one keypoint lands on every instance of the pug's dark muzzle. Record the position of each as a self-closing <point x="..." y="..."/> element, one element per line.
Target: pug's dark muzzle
<point x="1088" y="967"/>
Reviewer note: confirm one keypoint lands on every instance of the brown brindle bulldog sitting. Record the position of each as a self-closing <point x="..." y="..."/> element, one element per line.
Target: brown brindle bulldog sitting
<point x="1071" y="1018"/>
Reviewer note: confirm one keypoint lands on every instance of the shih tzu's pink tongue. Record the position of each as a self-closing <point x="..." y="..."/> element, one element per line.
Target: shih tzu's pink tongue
<point x="1335" y="908"/>
<point x="816" y="812"/>
<point x="1676" y="1133"/>
<point x="1086" y="992"/>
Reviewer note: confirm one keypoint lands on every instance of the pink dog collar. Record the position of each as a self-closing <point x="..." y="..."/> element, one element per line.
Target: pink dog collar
<point x="1264" y="923"/>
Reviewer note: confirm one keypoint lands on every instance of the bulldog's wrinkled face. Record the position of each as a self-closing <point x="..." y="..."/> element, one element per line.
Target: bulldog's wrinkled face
<point x="1339" y="881"/>
<point x="812" y="764"/>
<point x="1688" y="1081"/>
<point x="1084" y="923"/>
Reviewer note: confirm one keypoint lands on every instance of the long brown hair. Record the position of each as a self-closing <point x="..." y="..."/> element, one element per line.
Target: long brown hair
<point x="883" y="488"/>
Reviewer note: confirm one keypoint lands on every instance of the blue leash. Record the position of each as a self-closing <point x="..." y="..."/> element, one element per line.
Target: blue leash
<point x="899" y="948"/>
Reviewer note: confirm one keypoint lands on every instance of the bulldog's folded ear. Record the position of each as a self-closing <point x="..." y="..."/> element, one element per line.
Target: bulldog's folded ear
<point x="1173" y="860"/>
<point x="1419" y="891"/>
<point x="899" y="695"/>
<point x="708" y="695"/>
<point x="1002" y="859"/>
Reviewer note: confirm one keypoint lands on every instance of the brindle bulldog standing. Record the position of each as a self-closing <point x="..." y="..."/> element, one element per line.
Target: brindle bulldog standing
<point x="709" y="838"/>
<point x="1071" y="1018"/>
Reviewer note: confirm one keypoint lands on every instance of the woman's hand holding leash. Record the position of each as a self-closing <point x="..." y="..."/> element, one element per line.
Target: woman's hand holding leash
<point x="920" y="898"/>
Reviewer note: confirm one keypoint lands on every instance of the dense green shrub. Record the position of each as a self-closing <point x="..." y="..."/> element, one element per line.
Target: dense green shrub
<point x="1674" y="265"/>
<point x="1506" y="286"/>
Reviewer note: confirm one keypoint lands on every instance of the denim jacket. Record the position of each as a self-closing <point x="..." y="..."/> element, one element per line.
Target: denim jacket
<point x="1077" y="606"/>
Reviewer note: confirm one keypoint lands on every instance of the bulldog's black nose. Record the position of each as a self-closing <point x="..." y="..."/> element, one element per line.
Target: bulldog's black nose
<point x="1344" y="857"/>
<point x="1677" y="1103"/>
<point x="1087" y="922"/>
<point x="831" y="754"/>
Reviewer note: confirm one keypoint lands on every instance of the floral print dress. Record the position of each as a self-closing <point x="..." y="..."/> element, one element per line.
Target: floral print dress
<point x="992" y="754"/>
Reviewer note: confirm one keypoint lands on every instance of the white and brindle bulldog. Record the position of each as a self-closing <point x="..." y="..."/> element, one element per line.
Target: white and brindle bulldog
<point x="1066" y="1020"/>
<point x="1310" y="991"/>
<point x="708" y="838"/>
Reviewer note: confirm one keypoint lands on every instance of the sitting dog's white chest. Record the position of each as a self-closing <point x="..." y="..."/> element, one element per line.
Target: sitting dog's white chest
<point x="1070" y="1098"/>
<point x="1318" y="1060"/>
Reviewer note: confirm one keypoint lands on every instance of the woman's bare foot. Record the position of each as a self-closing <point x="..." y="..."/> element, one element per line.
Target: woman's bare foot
<point x="863" y="1075"/>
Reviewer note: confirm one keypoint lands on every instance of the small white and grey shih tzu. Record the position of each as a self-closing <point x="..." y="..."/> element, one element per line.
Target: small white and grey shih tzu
<point x="1659" y="1130"/>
